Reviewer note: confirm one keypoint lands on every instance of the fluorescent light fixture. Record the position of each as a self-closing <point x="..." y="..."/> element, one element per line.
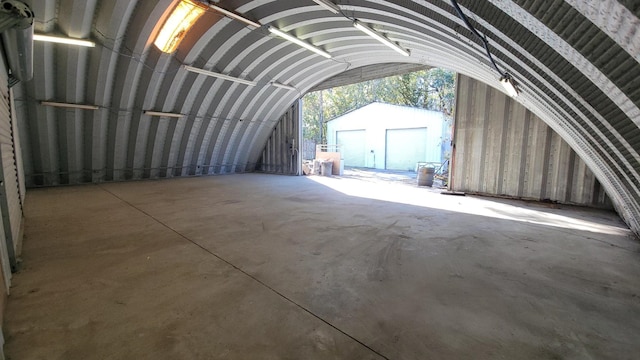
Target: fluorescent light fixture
<point x="218" y="75"/>
<point x="358" y="25"/>
<point x="63" y="40"/>
<point x="297" y="41"/>
<point x="177" y="24"/>
<point x="509" y="85"/>
<point x="235" y="16"/>
<point x="328" y="5"/>
<point x="68" y="105"/>
<point x="283" y="86"/>
<point x="159" y="113"/>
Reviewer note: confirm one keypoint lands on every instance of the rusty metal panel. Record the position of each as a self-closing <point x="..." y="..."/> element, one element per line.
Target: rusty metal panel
<point x="503" y="149"/>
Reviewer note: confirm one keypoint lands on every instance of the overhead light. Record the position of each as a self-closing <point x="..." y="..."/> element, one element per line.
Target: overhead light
<point x="283" y="86"/>
<point x="328" y="5"/>
<point x="358" y="25"/>
<point x="159" y="113"/>
<point x="218" y="75"/>
<point x="297" y="41"/>
<point x="235" y="16"/>
<point x="177" y="24"/>
<point x="69" y="105"/>
<point x="509" y="85"/>
<point x="63" y="40"/>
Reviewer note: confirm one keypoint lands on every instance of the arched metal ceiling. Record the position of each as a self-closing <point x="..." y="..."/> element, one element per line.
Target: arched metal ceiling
<point x="577" y="63"/>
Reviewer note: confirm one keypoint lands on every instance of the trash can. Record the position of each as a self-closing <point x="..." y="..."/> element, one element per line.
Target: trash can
<point x="425" y="176"/>
<point x="316" y="167"/>
<point x="327" y="168"/>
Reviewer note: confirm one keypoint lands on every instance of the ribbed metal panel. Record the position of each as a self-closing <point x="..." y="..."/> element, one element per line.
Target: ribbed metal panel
<point x="7" y="252"/>
<point x="17" y="150"/>
<point x="14" y="182"/>
<point x="280" y="154"/>
<point x="10" y="200"/>
<point x="501" y="148"/>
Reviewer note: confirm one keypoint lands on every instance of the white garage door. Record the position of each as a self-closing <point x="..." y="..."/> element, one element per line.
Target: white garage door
<point x="352" y="144"/>
<point x="405" y="147"/>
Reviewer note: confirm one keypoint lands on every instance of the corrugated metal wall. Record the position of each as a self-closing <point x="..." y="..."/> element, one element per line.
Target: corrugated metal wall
<point x="11" y="198"/>
<point x="17" y="150"/>
<point x="281" y="153"/>
<point x="501" y="148"/>
<point x="9" y="191"/>
<point x="6" y="252"/>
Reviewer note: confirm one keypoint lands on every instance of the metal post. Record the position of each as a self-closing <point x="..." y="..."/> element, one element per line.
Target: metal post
<point x="300" y="140"/>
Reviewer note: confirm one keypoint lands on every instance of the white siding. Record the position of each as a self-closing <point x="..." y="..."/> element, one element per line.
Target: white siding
<point x="352" y="145"/>
<point x="377" y="118"/>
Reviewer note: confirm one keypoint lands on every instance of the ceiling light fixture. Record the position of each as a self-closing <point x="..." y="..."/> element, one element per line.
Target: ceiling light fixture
<point x="358" y="25"/>
<point x="509" y="85"/>
<point x="218" y="75"/>
<point x="283" y="86"/>
<point x="69" y="105"/>
<point x="63" y="40"/>
<point x="160" y="113"/>
<point x="177" y="24"/>
<point x="235" y="16"/>
<point x="328" y="5"/>
<point x="299" y="42"/>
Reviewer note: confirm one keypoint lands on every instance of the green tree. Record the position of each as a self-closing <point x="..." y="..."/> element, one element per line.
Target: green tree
<point x="312" y="117"/>
<point x="441" y="90"/>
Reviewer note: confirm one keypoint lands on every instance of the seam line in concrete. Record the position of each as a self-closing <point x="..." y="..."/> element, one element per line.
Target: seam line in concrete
<point x="245" y="273"/>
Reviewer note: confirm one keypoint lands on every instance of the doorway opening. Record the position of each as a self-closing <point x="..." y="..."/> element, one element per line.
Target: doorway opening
<point x="394" y="123"/>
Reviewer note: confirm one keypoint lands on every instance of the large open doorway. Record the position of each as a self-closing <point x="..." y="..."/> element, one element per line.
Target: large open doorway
<point x="391" y="123"/>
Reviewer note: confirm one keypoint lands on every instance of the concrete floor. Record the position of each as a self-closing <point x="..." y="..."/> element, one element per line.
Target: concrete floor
<point x="272" y="267"/>
<point x="385" y="176"/>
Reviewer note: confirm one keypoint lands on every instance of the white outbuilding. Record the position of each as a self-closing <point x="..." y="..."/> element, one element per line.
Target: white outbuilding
<point x="392" y="137"/>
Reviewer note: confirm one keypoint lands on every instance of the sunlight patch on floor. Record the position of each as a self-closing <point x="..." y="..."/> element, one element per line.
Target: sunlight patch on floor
<point x="427" y="197"/>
